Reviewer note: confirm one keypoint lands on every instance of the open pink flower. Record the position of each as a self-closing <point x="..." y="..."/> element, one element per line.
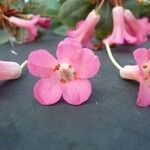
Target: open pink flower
<point x="66" y="76"/>
<point x="30" y="25"/>
<point x="120" y="34"/>
<point x="9" y="70"/>
<point x="85" y="29"/>
<point x="138" y="28"/>
<point x="140" y="73"/>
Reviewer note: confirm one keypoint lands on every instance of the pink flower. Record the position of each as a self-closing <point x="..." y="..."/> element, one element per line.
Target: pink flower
<point x="30" y="25"/>
<point x="66" y="76"/>
<point x="85" y="29"/>
<point x="137" y="27"/>
<point x="9" y="70"/>
<point x="120" y="34"/>
<point x="140" y="73"/>
<point x="44" y="22"/>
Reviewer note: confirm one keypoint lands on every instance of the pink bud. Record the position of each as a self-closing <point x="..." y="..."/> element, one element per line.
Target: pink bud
<point x="9" y="70"/>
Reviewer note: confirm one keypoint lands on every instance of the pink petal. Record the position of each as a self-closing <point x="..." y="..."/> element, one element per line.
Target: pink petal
<point x="41" y="63"/>
<point x="77" y="91"/>
<point x="143" y="95"/>
<point x="136" y="27"/>
<point x="141" y="56"/>
<point x="47" y="91"/>
<point x="87" y="65"/>
<point x="9" y="70"/>
<point x="68" y="51"/>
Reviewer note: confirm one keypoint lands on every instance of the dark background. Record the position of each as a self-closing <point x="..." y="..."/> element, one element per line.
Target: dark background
<point x="109" y="120"/>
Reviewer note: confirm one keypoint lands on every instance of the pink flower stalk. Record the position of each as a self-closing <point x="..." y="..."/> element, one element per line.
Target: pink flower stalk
<point x="66" y="76"/>
<point x="120" y="33"/>
<point x="138" y="28"/>
<point x="9" y="70"/>
<point x="140" y="73"/>
<point x="85" y="29"/>
<point x="30" y="25"/>
<point x="44" y="22"/>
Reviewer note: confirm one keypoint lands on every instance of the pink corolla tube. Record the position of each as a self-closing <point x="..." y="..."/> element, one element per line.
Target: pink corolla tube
<point x="67" y="76"/>
<point x="120" y="34"/>
<point x="85" y="29"/>
<point x="9" y="70"/>
<point x="140" y="73"/>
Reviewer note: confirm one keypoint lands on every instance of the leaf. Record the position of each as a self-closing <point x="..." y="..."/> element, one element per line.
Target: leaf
<point x="4" y="37"/>
<point x="61" y="30"/>
<point x="72" y="11"/>
<point x="104" y="28"/>
<point x="43" y="7"/>
<point x="138" y="9"/>
<point x="18" y="4"/>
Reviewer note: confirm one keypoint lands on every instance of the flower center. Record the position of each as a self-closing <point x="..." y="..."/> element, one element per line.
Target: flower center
<point x="146" y="71"/>
<point x="66" y="72"/>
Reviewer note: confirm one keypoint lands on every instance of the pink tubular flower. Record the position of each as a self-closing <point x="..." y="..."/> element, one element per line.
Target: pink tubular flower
<point x="85" y="29"/>
<point x="120" y="34"/>
<point x="44" y="22"/>
<point x="30" y="25"/>
<point x="140" y="73"/>
<point x="137" y="27"/>
<point x="66" y="76"/>
<point x="9" y="70"/>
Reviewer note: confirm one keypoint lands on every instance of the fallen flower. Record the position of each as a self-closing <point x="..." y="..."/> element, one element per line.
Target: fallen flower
<point x="66" y="76"/>
<point x="140" y="73"/>
<point x="9" y="70"/>
<point x="85" y="29"/>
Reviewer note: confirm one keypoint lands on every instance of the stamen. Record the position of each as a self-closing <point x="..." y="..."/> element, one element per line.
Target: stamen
<point x="144" y="66"/>
<point x="57" y="67"/>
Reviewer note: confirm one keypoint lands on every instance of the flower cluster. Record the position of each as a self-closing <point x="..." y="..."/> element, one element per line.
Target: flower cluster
<point x="128" y="29"/>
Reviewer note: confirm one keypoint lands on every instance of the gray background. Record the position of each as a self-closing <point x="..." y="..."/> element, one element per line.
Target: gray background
<point x="109" y="120"/>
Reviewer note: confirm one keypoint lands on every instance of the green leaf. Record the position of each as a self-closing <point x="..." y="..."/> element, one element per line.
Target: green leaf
<point x="43" y="7"/>
<point x="4" y="37"/>
<point x="72" y="11"/>
<point x="138" y="9"/>
<point x="104" y="28"/>
<point x="18" y="4"/>
<point x="61" y="30"/>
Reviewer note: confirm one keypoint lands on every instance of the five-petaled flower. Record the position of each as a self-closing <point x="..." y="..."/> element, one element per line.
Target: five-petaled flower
<point x="66" y="76"/>
<point x="140" y="73"/>
<point x="85" y="29"/>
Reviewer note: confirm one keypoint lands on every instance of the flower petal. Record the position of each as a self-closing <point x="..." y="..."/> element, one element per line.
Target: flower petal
<point x="143" y="95"/>
<point x="68" y="51"/>
<point x="77" y="91"/>
<point x="87" y="65"/>
<point x="141" y="55"/>
<point x="41" y="63"/>
<point x="47" y="91"/>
